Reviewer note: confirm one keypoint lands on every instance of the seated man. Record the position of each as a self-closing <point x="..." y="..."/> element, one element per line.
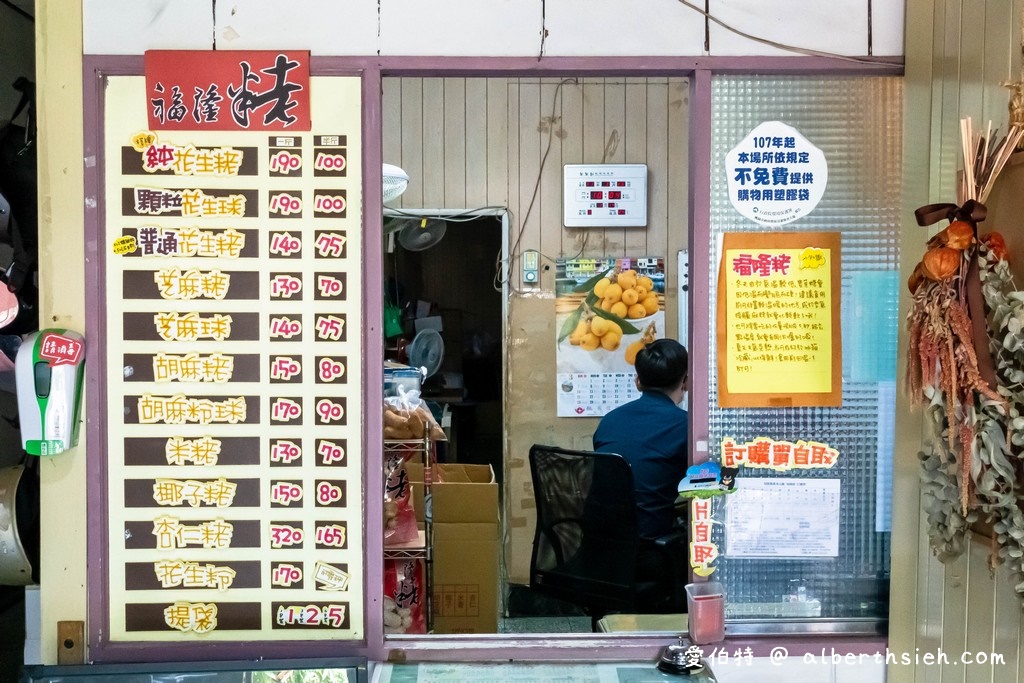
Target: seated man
<point x="651" y="433"/>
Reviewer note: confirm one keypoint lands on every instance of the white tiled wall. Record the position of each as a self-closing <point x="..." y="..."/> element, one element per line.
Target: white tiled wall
<point x="837" y="26"/>
<point x="492" y="27"/>
<point x="129" y="27"/>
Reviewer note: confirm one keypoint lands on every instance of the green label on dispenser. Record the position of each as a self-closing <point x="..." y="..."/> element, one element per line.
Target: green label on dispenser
<point x="44" y="446"/>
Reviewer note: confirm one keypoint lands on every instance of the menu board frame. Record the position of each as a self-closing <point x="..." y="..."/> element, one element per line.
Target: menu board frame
<point x="103" y="182"/>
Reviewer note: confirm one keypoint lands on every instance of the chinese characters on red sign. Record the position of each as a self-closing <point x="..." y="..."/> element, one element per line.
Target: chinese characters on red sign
<point x="703" y="551"/>
<point x="778" y="455"/>
<point x="227" y="90"/>
<point x="59" y="349"/>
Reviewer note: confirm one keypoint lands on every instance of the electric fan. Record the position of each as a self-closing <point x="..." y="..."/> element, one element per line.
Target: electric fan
<point x="426" y="350"/>
<point x="417" y="233"/>
<point x="395" y="182"/>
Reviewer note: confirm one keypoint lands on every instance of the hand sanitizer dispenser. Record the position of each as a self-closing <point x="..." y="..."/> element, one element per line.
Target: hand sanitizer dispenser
<point x="49" y="370"/>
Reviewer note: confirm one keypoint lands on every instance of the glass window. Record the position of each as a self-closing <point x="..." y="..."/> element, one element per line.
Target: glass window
<point x="857" y="123"/>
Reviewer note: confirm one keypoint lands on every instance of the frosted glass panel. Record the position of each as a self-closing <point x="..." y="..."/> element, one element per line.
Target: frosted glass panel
<point x="857" y="122"/>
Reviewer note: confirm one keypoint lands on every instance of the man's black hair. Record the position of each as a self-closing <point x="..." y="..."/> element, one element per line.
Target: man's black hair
<point x="661" y="364"/>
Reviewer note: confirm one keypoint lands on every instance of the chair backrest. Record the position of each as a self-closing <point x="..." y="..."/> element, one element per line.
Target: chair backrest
<point x="585" y="542"/>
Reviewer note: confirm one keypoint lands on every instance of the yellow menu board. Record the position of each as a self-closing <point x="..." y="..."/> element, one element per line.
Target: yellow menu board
<point x="233" y="357"/>
<point x="778" y="320"/>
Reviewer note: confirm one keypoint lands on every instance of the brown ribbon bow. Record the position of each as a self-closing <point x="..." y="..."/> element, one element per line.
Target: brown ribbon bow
<point x="972" y="212"/>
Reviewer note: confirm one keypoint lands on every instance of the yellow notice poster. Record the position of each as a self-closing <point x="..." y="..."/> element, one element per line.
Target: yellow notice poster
<point x="778" y="326"/>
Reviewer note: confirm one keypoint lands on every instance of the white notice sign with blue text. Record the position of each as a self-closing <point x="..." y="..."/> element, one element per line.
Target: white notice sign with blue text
<point x="775" y="174"/>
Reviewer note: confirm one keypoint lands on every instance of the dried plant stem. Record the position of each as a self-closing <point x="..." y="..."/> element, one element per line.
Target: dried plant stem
<point x="1002" y="155"/>
<point x="981" y="168"/>
<point x="966" y="483"/>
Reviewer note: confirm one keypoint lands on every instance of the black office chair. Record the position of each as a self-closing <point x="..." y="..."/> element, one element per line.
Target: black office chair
<point x="585" y="545"/>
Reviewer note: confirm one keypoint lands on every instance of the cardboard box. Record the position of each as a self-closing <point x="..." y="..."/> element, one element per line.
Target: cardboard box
<point x="466" y="543"/>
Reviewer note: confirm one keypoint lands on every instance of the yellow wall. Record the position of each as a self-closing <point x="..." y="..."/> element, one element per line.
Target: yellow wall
<point x="62" y="304"/>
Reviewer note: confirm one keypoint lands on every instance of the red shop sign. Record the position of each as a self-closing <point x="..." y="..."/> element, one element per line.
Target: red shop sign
<point x="227" y="90"/>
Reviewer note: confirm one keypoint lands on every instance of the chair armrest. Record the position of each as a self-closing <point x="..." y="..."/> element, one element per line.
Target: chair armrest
<point x="681" y="507"/>
<point x="673" y="540"/>
<point x="673" y="547"/>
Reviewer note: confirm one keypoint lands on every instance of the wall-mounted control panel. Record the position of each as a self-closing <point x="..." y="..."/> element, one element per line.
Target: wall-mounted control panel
<point x="604" y="195"/>
<point x="531" y="267"/>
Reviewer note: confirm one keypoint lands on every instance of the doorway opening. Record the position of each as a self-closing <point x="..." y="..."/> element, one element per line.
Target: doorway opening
<point x="443" y="273"/>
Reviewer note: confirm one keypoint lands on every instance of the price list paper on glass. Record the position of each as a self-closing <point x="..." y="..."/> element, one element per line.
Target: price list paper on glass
<point x="783" y="518"/>
<point x="232" y="278"/>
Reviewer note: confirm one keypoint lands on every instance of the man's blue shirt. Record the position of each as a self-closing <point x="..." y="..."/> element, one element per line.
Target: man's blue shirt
<point x="651" y="434"/>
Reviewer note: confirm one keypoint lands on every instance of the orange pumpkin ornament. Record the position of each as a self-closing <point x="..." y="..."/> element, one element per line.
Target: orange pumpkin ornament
<point x="997" y="245"/>
<point x="941" y="263"/>
<point x="916" y="278"/>
<point x="956" y="235"/>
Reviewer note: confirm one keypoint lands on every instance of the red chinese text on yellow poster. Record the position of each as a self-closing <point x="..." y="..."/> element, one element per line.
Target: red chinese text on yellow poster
<point x="778" y="326"/>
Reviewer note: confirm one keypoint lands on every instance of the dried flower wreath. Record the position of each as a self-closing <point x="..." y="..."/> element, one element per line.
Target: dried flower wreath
<point x="966" y="363"/>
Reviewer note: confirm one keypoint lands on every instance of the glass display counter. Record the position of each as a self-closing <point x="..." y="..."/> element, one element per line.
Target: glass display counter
<point x="334" y="670"/>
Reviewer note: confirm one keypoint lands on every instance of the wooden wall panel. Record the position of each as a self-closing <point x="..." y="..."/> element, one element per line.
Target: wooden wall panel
<point x="571" y="142"/>
<point x="929" y="605"/>
<point x="391" y="119"/>
<point x="547" y="213"/>
<point x="615" y="144"/>
<point x="634" y="151"/>
<point x="474" y="142"/>
<point x="497" y="168"/>
<point x="456" y="131"/>
<point x="1007" y="631"/>
<point x="1005" y="208"/>
<point x="981" y="595"/>
<point x="433" y="151"/>
<point x="675" y="214"/>
<point x="595" y="143"/>
<point x="961" y="606"/>
<point x="527" y="233"/>
<point x="411" y="136"/>
<point x="512" y="193"/>
<point x="476" y="166"/>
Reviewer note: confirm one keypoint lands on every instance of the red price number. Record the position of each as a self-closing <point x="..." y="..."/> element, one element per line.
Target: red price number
<point x="285" y="244"/>
<point x="330" y="452"/>
<point x="329" y="162"/>
<point x="329" y="203"/>
<point x="329" y="411"/>
<point x="284" y="286"/>
<point x="327" y="493"/>
<point x="284" y="536"/>
<point x="332" y="536"/>
<point x="284" y="368"/>
<point x="285" y="409"/>
<point x="285" y="575"/>
<point x="329" y="286"/>
<point x="284" y="452"/>
<point x="285" y="204"/>
<point x="285" y="492"/>
<point x="285" y="162"/>
<point x="284" y="328"/>
<point x="331" y="369"/>
<point x="330" y="244"/>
